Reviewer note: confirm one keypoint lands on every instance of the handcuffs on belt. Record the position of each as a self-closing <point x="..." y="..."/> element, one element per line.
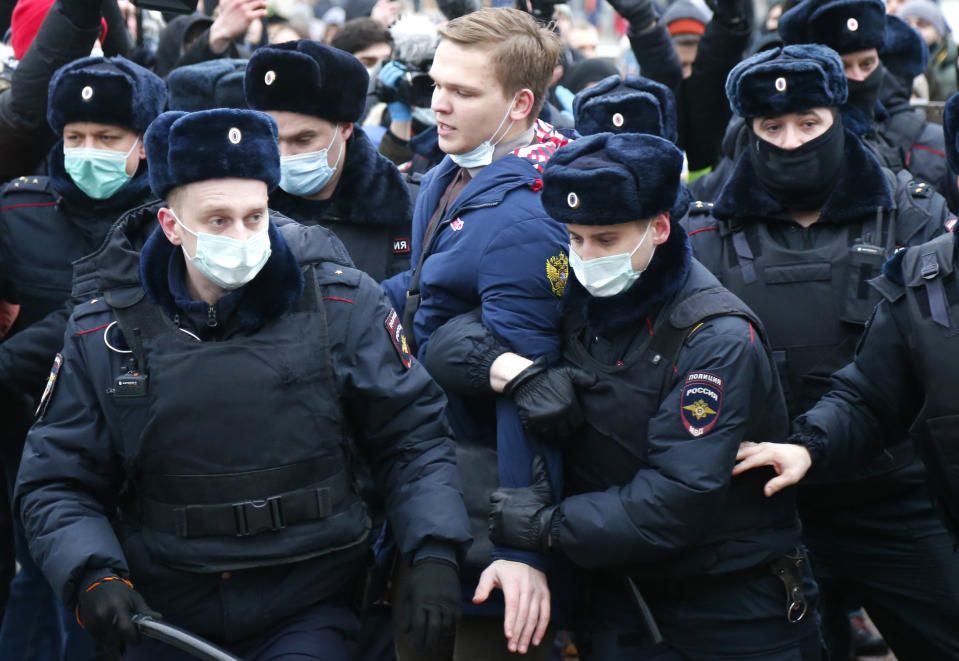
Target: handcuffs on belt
<point x="789" y="570"/>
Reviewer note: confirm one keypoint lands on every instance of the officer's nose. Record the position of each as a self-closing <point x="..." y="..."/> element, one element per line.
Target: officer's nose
<point x="792" y="138"/>
<point x="856" y="73"/>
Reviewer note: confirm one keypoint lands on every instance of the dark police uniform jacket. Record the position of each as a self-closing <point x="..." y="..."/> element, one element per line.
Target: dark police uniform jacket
<point x="370" y="211"/>
<point x="45" y="224"/>
<point x="809" y="285"/>
<point x="903" y="378"/>
<point x="220" y="482"/>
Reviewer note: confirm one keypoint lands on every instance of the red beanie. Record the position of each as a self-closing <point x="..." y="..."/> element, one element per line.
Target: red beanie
<point x="26" y="20"/>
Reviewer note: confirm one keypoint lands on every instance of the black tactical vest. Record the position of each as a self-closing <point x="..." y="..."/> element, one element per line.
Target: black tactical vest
<point x="932" y="304"/>
<point x="614" y="444"/>
<point x="236" y="449"/>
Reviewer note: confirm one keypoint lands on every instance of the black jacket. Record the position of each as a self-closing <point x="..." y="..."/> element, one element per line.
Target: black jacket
<point x="370" y="210"/>
<point x="78" y="459"/>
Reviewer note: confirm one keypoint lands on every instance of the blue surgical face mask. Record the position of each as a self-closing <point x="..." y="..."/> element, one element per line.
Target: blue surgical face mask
<point x="227" y="262"/>
<point x="99" y="173"/>
<point x="610" y="275"/>
<point x="483" y="154"/>
<point x="306" y="174"/>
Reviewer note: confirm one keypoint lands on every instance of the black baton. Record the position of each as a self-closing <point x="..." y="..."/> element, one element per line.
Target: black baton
<point x="184" y="640"/>
<point x="644" y="611"/>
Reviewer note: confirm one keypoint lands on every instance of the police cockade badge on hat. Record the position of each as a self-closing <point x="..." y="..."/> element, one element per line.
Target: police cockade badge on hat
<point x="234" y="135"/>
<point x="618" y="120"/>
<point x="269" y="77"/>
<point x="572" y="200"/>
<point x="781" y="85"/>
<point x="86" y="93"/>
<point x="852" y="25"/>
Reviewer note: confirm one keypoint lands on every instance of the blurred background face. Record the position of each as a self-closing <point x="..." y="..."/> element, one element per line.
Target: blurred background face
<point x="928" y="31"/>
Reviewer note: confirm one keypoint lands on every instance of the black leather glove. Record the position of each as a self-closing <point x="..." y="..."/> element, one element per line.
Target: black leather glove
<point x="432" y="599"/>
<point x="730" y="13"/>
<point x="522" y="518"/>
<point x="639" y="13"/>
<point x="105" y="609"/>
<point x="545" y="398"/>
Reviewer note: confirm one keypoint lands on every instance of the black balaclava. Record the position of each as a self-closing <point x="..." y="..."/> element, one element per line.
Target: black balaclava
<point x="865" y="93"/>
<point x="800" y="178"/>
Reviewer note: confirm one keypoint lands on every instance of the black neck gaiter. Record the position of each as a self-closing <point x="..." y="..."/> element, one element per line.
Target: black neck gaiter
<point x="800" y="178"/>
<point x="865" y="93"/>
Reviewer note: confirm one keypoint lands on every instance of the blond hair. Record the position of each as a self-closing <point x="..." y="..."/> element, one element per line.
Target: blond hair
<point x="523" y="53"/>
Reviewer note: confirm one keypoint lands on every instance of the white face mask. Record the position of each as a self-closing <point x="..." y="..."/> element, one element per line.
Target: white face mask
<point x="226" y="262"/>
<point x="306" y="174"/>
<point x="483" y="154"/>
<point x="610" y="275"/>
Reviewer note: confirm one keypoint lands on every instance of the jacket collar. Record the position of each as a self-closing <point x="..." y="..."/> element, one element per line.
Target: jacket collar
<point x="132" y="194"/>
<point x="861" y="188"/>
<point x="274" y="291"/>
<point x="663" y="277"/>
<point x="371" y="191"/>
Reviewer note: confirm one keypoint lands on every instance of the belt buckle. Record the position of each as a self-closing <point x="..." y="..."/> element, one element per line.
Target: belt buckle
<point x="255" y="516"/>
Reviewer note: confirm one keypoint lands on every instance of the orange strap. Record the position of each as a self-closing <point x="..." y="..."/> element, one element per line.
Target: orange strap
<point x="76" y="610"/>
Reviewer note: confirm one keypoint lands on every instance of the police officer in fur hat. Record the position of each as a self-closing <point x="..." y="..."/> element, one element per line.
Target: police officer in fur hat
<point x="626" y="105"/>
<point x="192" y="447"/>
<point x="648" y="330"/>
<point x="878" y="108"/>
<point x="806" y="219"/>
<point x="331" y="174"/>
<point x="208" y="85"/>
<point x="99" y="108"/>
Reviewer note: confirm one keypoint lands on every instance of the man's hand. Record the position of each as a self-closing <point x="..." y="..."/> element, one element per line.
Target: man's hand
<point x="105" y="609"/>
<point x="433" y="603"/>
<point x="639" y="13"/>
<point x="233" y="20"/>
<point x="790" y="461"/>
<point x="526" y="594"/>
<point x="545" y="399"/>
<point x="385" y="12"/>
<point x="521" y="518"/>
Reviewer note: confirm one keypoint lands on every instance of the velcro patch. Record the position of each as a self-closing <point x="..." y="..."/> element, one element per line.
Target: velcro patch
<point x="401" y="246"/>
<point x="701" y="402"/>
<point x="395" y="330"/>
<point x="48" y="389"/>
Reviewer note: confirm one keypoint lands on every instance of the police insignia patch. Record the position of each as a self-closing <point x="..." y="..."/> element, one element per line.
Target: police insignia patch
<point x="395" y="330"/>
<point x="701" y="402"/>
<point x="557" y="270"/>
<point x="48" y="389"/>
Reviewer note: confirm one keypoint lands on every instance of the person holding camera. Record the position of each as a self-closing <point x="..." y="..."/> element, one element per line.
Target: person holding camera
<point x="330" y="172"/>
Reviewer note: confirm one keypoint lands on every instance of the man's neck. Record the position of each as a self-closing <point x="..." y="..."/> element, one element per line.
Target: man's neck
<point x="201" y="289"/>
<point x="509" y="144"/>
<point x="805" y="218"/>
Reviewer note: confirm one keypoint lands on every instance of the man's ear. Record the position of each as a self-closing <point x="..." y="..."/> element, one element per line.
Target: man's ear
<point x="168" y="225"/>
<point x="523" y="105"/>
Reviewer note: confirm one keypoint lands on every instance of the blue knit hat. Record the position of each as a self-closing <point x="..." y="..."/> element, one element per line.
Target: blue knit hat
<point x="224" y="143"/>
<point x="845" y="26"/>
<point x="629" y="105"/>
<point x="107" y="91"/>
<point x="207" y="85"/>
<point x="610" y="178"/>
<point x="787" y="79"/>
<point x="308" y="78"/>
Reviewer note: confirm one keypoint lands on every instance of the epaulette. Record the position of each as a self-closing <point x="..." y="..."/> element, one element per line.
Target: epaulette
<point x="92" y="307"/>
<point x="700" y="208"/>
<point x="920" y="189"/>
<point x="37" y="184"/>
<point x="331" y="273"/>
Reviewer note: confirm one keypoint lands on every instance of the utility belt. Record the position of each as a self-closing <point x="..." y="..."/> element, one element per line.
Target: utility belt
<point x="789" y="569"/>
<point x="247" y="517"/>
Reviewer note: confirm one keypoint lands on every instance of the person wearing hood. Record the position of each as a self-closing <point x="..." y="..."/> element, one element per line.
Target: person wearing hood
<point x="193" y="448"/>
<point x="928" y="19"/>
<point x="878" y="109"/>
<point x="100" y="108"/>
<point x="331" y="174"/>
<point x="806" y="218"/>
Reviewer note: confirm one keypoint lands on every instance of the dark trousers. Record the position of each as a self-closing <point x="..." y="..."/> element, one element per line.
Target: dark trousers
<point x="896" y="559"/>
<point x="320" y="633"/>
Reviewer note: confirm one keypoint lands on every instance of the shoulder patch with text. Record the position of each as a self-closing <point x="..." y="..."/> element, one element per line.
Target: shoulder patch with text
<point x="395" y="330"/>
<point x="701" y="401"/>
<point x="557" y="270"/>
